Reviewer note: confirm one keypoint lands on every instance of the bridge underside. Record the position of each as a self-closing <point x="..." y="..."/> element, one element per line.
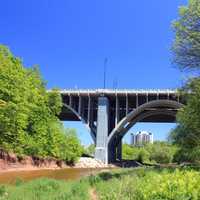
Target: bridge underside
<point x="68" y="115"/>
<point x="110" y="116"/>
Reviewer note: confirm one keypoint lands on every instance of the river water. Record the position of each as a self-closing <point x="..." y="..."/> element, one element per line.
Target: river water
<point x="61" y="174"/>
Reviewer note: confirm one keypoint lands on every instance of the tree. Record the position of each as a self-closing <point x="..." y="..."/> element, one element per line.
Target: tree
<point x="187" y="134"/>
<point x="186" y="51"/>
<point x="186" y="47"/>
<point x="14" y="100"/>
<point x="71" y="148"/>
<point x="28" y="113"/>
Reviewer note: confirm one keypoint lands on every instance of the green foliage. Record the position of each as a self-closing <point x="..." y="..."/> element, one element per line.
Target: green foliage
<point x="130" y="152"/>
<point x="71" y="148"/>
<point x="159" y="152"/>
<point x="143" y="155"/>
<point x="187" y="134"/>
<point x="90" y="150"/>
<point x="186" y="46"/>
<point x="28" y="113"/>
<point x="162" y="152"/>
<point x="45" y="189"/>
<point x="14" y="95"/>
<point x="189" y="115"/>
<point x="187" y="155"/>
<point x="163" y="185"/>
<point x="186" y="51"/>
<point x="54" y="102"/>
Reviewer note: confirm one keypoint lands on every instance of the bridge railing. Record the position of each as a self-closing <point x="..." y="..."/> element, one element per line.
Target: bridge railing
<point x="118" y="91"/>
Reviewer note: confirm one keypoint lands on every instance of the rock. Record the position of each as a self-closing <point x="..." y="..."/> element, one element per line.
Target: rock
<point x="85" y="162"/>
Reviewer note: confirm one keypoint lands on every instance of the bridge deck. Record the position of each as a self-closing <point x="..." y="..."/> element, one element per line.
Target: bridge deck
<point x="98" y="92"/>
<point x="85" y="101"/>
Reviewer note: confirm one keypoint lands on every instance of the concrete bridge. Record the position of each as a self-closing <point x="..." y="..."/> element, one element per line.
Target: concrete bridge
<point x="109" y="114"/>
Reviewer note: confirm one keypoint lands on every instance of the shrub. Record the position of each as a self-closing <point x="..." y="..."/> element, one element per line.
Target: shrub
<point x="187" y="155"/>
<point x="143" y="156"/>
<point x="129" y="152"/>
<point x="71" y="148"/>
<point x="152" y="185"/>
<point x="159" y="152"/>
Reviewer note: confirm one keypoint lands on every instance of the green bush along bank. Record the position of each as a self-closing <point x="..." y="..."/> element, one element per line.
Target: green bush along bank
<point x="159" y="152"/>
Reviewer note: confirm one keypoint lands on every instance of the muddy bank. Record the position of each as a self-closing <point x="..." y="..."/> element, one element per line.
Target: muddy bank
<point x="11" y="162"/>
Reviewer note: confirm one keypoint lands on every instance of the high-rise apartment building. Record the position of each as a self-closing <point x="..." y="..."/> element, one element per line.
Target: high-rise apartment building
<point x="141" y="138"/>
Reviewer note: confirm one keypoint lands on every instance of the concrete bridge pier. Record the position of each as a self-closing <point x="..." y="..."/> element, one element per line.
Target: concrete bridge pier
<point x="104" y="152"/>
<point x="101" y="150"/>
<point x="115" y="150"/>
<point x="111" y="153"/>
<point x="119" y="150"/>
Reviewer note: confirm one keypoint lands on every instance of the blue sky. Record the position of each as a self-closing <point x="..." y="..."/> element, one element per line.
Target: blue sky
<point x="69" y="40"/>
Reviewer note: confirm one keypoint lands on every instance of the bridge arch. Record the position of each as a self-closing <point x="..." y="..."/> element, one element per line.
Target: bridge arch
<point x="150" y="109"/>
<point x="90" y="129"/>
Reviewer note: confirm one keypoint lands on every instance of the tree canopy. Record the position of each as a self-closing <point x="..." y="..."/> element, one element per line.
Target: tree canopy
<point x="186" y="47"/>
<point x="186" y="51"/>
<point x="28" y="113"/>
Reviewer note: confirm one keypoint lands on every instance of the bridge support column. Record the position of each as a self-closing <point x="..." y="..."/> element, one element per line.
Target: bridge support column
<point x="115" y="150"/>
<point x="119" y="151"/>
<point x="101" y="151"/>
<point x="111" y="154"/>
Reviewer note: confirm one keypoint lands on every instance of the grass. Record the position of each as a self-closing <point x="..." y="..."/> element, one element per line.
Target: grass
<point x="151" y="184"/>
<point x="45" y="189"/>
<point x="126" y="184"/>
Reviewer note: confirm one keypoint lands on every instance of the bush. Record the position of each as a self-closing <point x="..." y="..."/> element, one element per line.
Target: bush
<point x="187" y="155"/>
<point x="161" y="157"/>
<point x="129" y="152"/>
<point x="90" y="150"/>
<point x="152" y="185"/>
<point x="71" y="148"/>
<point x="159" y="152"/>
<point x="143" y="156"/>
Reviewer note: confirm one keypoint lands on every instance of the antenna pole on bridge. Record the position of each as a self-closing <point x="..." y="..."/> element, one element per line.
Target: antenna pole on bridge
<point x="105" y="65"/>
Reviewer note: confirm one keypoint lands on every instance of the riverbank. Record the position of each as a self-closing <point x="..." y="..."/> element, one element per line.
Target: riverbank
<point x="11" y="162"/>
<point x="31" y="164"/>
<point x="137" y="184"/>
